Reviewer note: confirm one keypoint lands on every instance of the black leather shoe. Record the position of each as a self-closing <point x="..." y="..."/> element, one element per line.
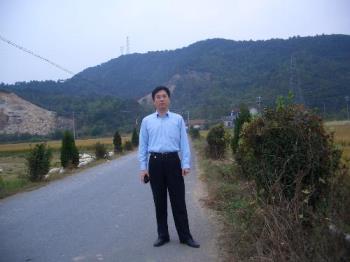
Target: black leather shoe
<point x="190" y="242"/>
<point x="160" y="242"/>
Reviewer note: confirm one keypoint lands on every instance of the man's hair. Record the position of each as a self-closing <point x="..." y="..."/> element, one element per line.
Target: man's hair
<point x="159" y="88"/>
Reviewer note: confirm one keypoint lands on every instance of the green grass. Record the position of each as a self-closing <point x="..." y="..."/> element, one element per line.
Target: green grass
<point x="14" y="184"/>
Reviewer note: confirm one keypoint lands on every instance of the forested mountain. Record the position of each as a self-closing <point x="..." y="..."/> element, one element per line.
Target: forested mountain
<point x="239" y="69"/>
<point x="210" y="77"/>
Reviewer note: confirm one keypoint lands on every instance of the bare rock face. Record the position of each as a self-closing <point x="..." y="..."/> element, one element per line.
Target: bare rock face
<point x="171" y="84"/>
<point x="18" y="116"/>
<point x="191" y="76"/>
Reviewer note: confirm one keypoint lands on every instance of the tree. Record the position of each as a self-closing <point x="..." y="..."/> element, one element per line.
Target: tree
<point x="100" y="151"/>
<point x="69" y="151"/>
<point x="128" y="145"/>
<point x="135" y="138"/>
<point x="217" y="140"/>
<point x="117" y="142"/>
<point x="194" y="132"/>
<point x="243" y="117"/>
<point x="38" y="162"/>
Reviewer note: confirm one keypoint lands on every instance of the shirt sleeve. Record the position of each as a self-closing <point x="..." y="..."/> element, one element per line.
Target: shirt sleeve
<point x="143" y="146"/>
<point x="184" y="146"/>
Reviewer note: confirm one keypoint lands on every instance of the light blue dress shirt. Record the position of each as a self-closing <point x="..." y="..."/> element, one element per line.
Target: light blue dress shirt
<point x="163" y="134"/>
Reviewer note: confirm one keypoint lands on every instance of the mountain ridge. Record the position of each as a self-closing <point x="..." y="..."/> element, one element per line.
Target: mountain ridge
<point x="216" y="75"/>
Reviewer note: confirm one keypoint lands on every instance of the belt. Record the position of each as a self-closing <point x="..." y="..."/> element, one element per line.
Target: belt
<point x="165" y="154"/>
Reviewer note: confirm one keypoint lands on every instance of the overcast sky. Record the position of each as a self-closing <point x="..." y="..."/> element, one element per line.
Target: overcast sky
<point x="77" y="34"/>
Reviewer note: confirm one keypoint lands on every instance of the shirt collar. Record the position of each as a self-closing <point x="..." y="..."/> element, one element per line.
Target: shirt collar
<point x="166" y="114"/>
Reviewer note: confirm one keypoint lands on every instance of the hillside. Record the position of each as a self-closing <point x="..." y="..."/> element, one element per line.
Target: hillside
<point x="212" y="76"/>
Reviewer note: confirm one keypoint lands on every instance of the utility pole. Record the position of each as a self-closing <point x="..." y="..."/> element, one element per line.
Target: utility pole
<point x="258" y="101"/>
<point x="347" y="105"/>
<point x="294" y="81"/>
<point x="73" y="126"/>
<point x="127" y="45"/>
<point x="188" y="120"/>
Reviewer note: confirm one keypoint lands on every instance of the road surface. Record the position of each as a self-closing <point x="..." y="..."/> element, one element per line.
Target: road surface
<point x="100" y="214"/>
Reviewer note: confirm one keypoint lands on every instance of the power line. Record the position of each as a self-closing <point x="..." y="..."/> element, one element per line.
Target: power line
<point x="36" y="55"/>
<point x="48" y="61"/>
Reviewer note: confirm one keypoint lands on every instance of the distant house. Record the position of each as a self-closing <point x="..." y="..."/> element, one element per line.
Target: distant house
<point x="229" y="121"/>
<point x="198" y="123"/>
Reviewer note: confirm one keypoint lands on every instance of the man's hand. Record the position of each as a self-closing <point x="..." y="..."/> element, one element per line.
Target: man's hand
<point x="143" y="174"/>
<point x="185" y="171"/>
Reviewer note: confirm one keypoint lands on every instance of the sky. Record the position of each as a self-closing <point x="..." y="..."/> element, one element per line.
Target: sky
<point x="77" y="34"/>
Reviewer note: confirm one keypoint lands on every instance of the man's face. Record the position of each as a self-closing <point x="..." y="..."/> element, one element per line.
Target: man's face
<point x="161" y="100"/>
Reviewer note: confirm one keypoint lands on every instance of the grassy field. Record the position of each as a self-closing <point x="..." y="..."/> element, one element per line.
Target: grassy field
<point x="341" y="131"/>
<point x="13" y="162"/>
<point x="56" y="144"/>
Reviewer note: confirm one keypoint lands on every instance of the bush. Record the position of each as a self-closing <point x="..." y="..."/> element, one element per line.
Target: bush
<point x="135" y="138"/>
<point x="217" y="140"/>
<point x="38" y="162"/>
<point x="100" y="150"/>
<point x="69" y="152"/>
<point x="288" y="147"/>
<point x="243" y="117"/>
<point x="117" y="142"/>
<point x="194" y="133"/>
<point x="2" y="185"/>
<point x="128" y="145"/>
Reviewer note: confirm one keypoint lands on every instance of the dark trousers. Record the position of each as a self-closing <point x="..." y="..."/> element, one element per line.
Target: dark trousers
<point x="166" y="175"/>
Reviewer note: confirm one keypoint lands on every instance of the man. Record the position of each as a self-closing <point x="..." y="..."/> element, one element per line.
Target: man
<point x="162" y="136"/>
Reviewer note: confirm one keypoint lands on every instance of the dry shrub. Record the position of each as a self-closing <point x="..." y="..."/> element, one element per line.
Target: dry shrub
<point x="287" y="143"/>
<point x="286" y="237"/>
<point x="300" y="186"/>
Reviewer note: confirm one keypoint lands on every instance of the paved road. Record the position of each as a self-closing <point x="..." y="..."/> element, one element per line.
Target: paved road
<point x="101" y="214"/>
